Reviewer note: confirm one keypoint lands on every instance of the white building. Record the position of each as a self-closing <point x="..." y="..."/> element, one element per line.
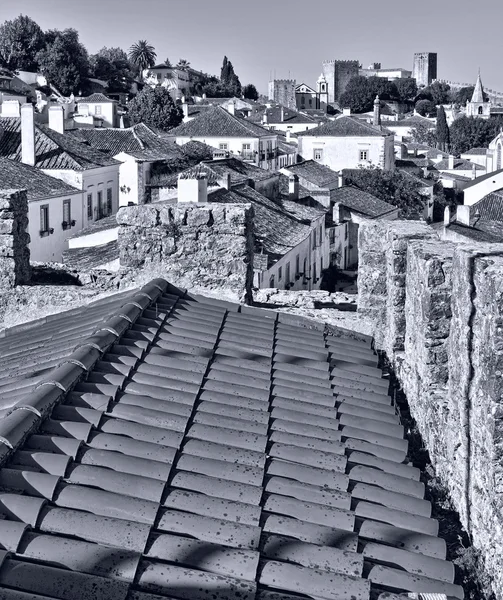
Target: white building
<point x="96" y="110"/>
<point x="347" y="143"/>
<point x="231" y="135"/>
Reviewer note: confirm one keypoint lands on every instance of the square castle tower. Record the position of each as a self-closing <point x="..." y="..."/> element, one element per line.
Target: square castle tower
<point x="337" y="74"/>
<point x="282" y="91"/>
<point x="424" y="70"/>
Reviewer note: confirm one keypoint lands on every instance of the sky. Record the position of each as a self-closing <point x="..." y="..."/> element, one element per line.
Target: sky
<point x="288" y="38"/>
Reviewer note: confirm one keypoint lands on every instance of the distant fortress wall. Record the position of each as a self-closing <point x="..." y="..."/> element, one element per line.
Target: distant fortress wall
<point x="494" y="96"/>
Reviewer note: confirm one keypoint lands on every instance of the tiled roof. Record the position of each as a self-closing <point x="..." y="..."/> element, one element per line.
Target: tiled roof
<point x="91" y="257"/>
<point x="97" y="226"/>
<point x="218" y="122"/>
<point x="345" y="127"/>
<point x="97" y="97"/>
<point x="474" y="233"/>
<point x="411" y="122"/>
<point x="289" y="116"/>
<point x="476" y="151"/>
<point x="215" y="170"/>
<point x="315" y="173"/>
<point x="195" y="449"/>
<point x="16" y="175"/>
<point x="139" y="140"/>
<point x="490" y="207"/>
<point x="52" y="150"/>
<point x="361" y="202"/>
<point x="460" y="164"/>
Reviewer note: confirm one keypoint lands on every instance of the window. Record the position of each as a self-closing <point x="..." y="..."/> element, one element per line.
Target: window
<point x="481" y="110"/>
<point x="271" y="281"/>
<point x="318" y="154"/>
<point x="89" y="206"/>
<point x="332" y="235"/>
<point x="246" y="147"/>
<point x="346" y="231"/>
<point x="101" y="208"/>
<point x="321" y="264"/>
<point x="321" y="235"/>
<point x="109" y="201"/>
<point x="83" y="109"/>
<point x="287" y="272"/>
<point x="310" y="101"/>
<point x="97" y="110"/>
<point x="314" y="239"/>
<point x="297" y="265"/>
<point x="364" y="154"/>
<point x="223" y="146"/>
<point x="67" y="214"/>
<point x="280" y="273"/>
<point x="44" y="220"/>
<point x="498" y="157"/>
<point x="314" y="273"/>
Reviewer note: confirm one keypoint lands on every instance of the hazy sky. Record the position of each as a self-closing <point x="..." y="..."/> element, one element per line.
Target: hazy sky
<point x="289" y="38"/>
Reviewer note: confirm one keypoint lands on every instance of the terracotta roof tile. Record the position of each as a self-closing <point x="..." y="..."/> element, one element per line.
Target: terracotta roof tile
<point x="361" y="202"/>
<point x="232" y="493"/>
<point x="345" y="127"/>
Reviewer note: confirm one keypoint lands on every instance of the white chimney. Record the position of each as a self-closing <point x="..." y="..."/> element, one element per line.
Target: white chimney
<point x="57" y="119"/>
<point x="451" y="162"/>
<point x="192" y="188"/>
<point x="27" y="135"/>
<point x="474" y="172"/>
<point x="185" y="110"/>
<point x="225" y="181"/>
<point x="293" y="187"/>
<point x="264" y="118"/>
<point x="231" y="108"/>
<point x="447" y="216"/>
<point x="288" y="135"/>
<point x="341" y="180"/>
<point x="282" y="113"/>
<point x="463" y="214"/>
<point x="346" y="111"/>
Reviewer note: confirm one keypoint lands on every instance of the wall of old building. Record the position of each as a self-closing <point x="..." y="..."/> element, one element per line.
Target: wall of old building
<point x="204" y="246"/>
<point x="437" y="309"/>
<point x="14" y="239"/>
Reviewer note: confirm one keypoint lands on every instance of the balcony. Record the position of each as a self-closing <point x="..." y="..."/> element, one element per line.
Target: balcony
<point x="248" y="155"/>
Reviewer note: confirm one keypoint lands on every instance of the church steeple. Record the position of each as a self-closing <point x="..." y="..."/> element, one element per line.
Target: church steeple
<point x="478" y="92"/>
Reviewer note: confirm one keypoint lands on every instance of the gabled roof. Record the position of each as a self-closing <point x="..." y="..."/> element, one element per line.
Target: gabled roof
<point x="275" y="113"/>
<point x="476" y="151"/>
<point x="139" y="140"/>
<point x="460" y="164"/>
<point x="309" y="88"/>
<point x="315" y="173"/>
<point x="411" y="122"/>
<point x="361" y="202"/>
<point x="38" y="185"/>
<point x="489" y="208"/>
<point x="95" y="98"/>
<point x="52" y="150"/>
<point x="218" y="122"/>
<point x="209" y="450"/>
<point x="482" y="178"/>
<point x="345" y="126"/>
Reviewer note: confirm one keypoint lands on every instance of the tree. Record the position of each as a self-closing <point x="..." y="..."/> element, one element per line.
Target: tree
<point x="168" y="63"/>
<point x="250" y="92"/>
<point x="406" y="89"/>
<point x="422" y="134"/>
<point x="466" y="93"/>
<point x="64" y="61"/>
<point x="472" y="132"/>
<point x="155" y="107"/>
<point x="182" y="64"/>
<point x="426" y="108"/>
<point x="20" y="41"/>
<point x="112" y="65"/>
<point x="439" y="92"/>
<point x="360" y="93"/>
<point x="392" y="187"/>
<point x="442" y="133"/>
<point x="143" y="55"/>
<point x="229" y="78"/>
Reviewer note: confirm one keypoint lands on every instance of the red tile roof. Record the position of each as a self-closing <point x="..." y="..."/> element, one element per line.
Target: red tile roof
<point x="192" y="448"/>
<point x="345" y="127"/>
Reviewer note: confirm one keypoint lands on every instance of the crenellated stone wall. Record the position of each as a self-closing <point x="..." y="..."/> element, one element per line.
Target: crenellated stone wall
<point x="196" y="246"/>
<point x="437" y="309"/>
<point x="14" y="239"/>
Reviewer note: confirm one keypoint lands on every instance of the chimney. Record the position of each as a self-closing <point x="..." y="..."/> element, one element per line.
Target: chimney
<point x="447" y="216"/>
<point x="288" y="135"/>
<point x="231" y="107"/>
<point x="293" y="187"/>
<point x="282" y="113"/>
<point x="337" y="213"/>
<point x="341" y="180"/>
<point x="377" y="112"/>
<point x="463" y="214"/>
<point x="474" y="172"/>
<point x="225" y="181"/>
<point x="451" y="162"/>
<point x="204" y="96"/>
<point x="264" y="118"/>
<point x="346" y="112"/>
<point x="185" y="110"/>
<point x="192" y="188"/>
<point x="27" y="135"/>
<point x="57" y="119"/>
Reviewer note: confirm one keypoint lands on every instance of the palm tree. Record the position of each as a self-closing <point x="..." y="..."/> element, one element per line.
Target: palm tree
<point x="183" y="64"/>
<point x="143" y="55"/>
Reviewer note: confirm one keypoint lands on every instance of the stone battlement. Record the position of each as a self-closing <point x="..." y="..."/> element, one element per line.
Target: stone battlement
<point x="284" y="81"/>
<point x="340" y="62"/>
<point x="437" y="309"/>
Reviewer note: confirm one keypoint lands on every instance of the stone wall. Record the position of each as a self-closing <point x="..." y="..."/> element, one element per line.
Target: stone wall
<point x="14" y="239"/>
<point x="437" y="312"/>
<point x="205" y="246"/>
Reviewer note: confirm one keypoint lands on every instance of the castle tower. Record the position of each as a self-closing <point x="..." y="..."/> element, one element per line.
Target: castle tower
<point x="477" y="106"/>
<point x="282" y="91"/>
<point x="424" y="70"/>
<point x="322" y="91"/>
<point x="337" y="74"/>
